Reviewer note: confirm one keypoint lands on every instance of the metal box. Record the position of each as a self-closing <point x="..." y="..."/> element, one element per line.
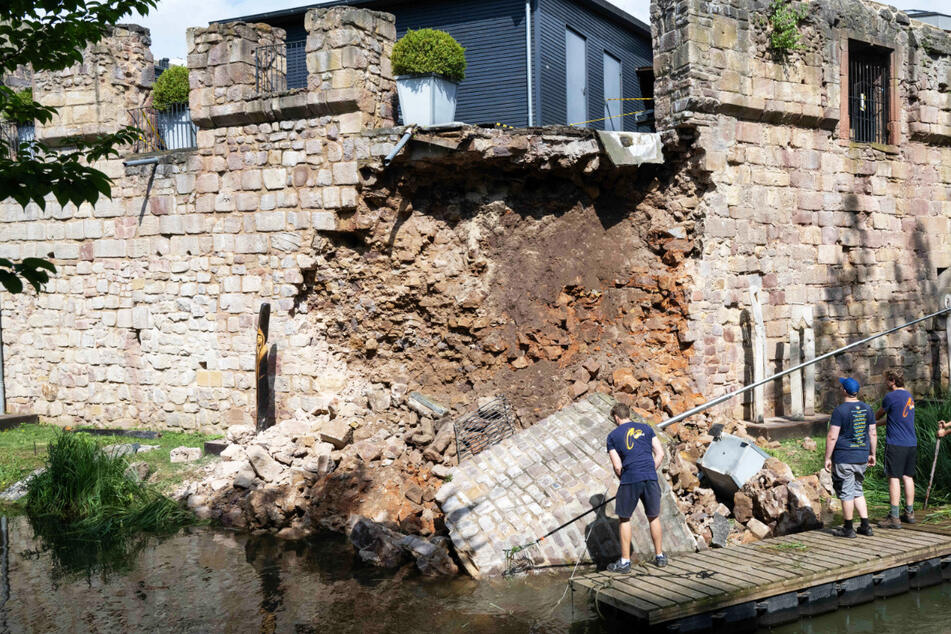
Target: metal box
<point x="730" y="462"/>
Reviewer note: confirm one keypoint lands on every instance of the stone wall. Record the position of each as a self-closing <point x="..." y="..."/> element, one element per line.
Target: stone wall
<point x="94" y="96"/>
<point x="858" y="231"/>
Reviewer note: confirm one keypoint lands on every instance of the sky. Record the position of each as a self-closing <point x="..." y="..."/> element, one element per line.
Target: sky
<point x="170" y="19"/>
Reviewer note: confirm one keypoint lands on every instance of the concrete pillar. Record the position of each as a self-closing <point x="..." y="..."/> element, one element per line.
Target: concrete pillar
<point x="802" y="348"/>
<point x="758" y="342"/>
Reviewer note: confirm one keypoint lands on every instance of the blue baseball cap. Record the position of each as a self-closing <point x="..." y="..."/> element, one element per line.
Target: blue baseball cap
<point x="851" y="385"/>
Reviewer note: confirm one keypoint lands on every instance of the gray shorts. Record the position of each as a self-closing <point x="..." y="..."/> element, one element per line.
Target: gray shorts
<point x="847" y="480"/>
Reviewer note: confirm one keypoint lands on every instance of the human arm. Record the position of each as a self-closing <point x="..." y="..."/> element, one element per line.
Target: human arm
<point x="831" y="437"/>
<point x="873" y="443"/>
<point x="880" y="417"/>
<point x="615" y="462"/>
<point x="657" y="450"/>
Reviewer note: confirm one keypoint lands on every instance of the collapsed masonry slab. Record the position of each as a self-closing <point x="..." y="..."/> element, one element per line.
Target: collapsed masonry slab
<point x="528" y="484"/>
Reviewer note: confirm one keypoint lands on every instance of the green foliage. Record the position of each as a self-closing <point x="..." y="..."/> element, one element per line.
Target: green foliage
<point x="170" y="88"/>
<point x="785" y="21"/>
<point x="86" y="491"/>
<point x="429" y="51"/>
<point x="51" y="35"/>
<point x="801" y="461"/>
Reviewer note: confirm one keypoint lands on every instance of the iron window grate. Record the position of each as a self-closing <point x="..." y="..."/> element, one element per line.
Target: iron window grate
<point x="868" y="94"/>
<point x="487" y="426"/>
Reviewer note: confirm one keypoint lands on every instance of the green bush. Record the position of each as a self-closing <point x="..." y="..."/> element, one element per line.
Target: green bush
<point x="785" y="21"/>
<point x="429" y="51"/>
<point x="170" y="88"/>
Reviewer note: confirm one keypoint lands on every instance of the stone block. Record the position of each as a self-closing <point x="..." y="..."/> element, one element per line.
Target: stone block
<point x="275" y="178"/>
<point x="270" y="220"/>
<point x="109" y="248"/>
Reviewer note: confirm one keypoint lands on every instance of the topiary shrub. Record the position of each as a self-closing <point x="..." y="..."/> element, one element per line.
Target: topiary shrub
<point x="429" y="51"/>
<point x="170" y="88"/>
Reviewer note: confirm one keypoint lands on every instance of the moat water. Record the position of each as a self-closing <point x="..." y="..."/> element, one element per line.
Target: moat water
<point x="207" y="580"/>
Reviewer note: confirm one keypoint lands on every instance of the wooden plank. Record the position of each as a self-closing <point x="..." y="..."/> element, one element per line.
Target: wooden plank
<point x="659" y="585"/>
<point x="715" y="579"/>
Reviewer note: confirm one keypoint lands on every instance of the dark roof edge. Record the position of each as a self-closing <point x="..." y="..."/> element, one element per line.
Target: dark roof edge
<point x="602" y="5"/>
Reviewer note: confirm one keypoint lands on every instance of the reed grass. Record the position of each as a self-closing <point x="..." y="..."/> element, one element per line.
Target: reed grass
<point x="88" y="494"/>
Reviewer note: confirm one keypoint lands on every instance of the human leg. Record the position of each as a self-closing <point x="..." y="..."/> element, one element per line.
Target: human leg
<point x="843" y="480"/>
<point x="624" y="530"/>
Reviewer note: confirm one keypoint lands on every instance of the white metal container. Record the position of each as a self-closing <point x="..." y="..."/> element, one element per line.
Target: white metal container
<point x="730" y="462"/>
<point x="426" y="99"/>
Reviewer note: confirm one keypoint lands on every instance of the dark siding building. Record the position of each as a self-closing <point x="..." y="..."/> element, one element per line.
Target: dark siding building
<point x="494" y="34"/>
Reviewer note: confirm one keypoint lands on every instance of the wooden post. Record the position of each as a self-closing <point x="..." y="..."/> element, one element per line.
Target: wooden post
<point x="809" y="353"/>
<point x="758" y="341"/>
<point x="261" y="368"/>
<point x="946" y="300"/>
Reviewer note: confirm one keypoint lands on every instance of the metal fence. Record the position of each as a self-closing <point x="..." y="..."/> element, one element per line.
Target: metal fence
<point x="280" y="67"/>
<point x="486" y="426"/>
<point x="164" y="130"/>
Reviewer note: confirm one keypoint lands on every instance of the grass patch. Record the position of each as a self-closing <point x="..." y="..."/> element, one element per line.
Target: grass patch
<point x="800" y="460"/>
<point x="18" y="457"/>
<point x="786" y="546"/>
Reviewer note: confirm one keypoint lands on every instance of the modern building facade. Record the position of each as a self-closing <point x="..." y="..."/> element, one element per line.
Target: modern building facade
<point x="530" y="62"/>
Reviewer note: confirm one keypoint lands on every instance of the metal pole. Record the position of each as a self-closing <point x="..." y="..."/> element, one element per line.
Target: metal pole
<point x="528" y="59"/>
<point x="742" y="390"/>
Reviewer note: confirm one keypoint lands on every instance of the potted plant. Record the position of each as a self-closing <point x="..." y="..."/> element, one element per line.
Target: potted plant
<point x="170" y="101"/>
<point x="428" y="65"/>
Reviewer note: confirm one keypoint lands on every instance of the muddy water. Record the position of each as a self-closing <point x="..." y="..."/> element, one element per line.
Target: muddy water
<point x="205" y="580"/>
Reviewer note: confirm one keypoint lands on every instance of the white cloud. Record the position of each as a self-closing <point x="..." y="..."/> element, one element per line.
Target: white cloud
<point x="170" y="19"/>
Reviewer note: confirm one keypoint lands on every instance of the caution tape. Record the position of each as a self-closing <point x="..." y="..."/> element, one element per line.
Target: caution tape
<point x="614" y="116"/>
<point x="504" y="125"/>
<point x="629" y="99"/>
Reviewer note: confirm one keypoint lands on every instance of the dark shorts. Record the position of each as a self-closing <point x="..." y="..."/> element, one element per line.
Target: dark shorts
<point x="647" y="491"/>
<point x="900" y="461"/>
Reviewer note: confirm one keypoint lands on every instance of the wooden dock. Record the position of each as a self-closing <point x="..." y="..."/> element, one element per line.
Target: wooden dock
<point x="775" y="580"/>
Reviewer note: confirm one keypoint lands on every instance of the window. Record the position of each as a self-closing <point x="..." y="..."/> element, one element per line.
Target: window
<point x="868" y="93"/>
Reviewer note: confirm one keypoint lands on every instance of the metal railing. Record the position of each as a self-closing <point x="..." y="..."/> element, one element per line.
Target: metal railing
<point x="795" y="368"/>
<point x="164" y="130"/>
<point x="868" y="96"/>
<point x="486" y="426"/>
<point x="15" y="134"/>
<point x="280" y="67"/>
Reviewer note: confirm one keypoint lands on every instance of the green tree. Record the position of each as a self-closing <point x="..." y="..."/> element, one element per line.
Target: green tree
<point x="51" y="35"/>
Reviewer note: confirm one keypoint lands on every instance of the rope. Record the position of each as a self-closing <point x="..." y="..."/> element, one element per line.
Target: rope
<point x="614" y="116"/>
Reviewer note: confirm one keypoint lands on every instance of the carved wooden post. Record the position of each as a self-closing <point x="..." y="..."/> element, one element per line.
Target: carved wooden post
<point x="947" y="331"/>
<point x="260" y="368"/>
<point x="803" y="399"/>
<point x="758" y="341"/>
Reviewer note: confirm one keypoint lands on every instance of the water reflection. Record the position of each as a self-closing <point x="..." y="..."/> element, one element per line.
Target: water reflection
<point x="206" y="580"/>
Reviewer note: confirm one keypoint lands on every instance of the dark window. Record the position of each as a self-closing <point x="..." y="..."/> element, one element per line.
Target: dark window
<point x="297" y="64"/>
<point x="868" y="93"/>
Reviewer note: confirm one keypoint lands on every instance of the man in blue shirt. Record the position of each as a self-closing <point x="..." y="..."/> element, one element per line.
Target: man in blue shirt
<point x="636" y="454"/>
<point x="901" y="448"/>
<point x="850" y="449"/>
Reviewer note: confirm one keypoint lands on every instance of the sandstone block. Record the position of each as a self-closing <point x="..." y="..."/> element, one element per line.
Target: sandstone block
<point x="337" y="432"/>
<point x="267" y="468"/>
<point x="185" y="454"/>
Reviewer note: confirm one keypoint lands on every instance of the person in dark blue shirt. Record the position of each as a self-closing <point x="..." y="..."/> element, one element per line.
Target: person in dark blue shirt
<point x="850" y="450"/>
<point x="901" y="448"/>
<point x="636" y="454"/>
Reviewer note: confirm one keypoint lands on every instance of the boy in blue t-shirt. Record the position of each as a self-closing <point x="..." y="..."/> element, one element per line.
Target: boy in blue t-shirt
<point x="901" y="448"/>
<point x="636" y="454"/>
<point x="850" y="450"/>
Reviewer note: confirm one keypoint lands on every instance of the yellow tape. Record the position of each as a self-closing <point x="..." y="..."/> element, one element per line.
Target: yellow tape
<point x="504" y="125"/>
<point x="615" y="116"/>
<point x="629" y="99"/>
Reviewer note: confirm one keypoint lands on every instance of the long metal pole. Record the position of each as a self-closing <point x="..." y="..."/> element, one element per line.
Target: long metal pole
<point x="3" y="394"/>
<point x="747" y="388"/>
<point x="528" y="60"/>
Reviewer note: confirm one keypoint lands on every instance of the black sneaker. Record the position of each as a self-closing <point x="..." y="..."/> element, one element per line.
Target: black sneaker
<point x="842" y="531"/>
<point x="660" y="560"/>
<point x="620" y="568"/>
<point x="864" y="530"/>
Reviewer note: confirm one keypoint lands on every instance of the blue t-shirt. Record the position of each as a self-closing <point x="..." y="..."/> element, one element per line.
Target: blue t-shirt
<point x="853" y="420"/>
<point x="899" y="405"/>
<point x="632" y="442"/>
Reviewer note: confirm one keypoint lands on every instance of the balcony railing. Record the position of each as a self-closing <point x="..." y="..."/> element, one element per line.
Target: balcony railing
<point x="14" y="134"/>
<point x="280" y="67"/>
<point x="164" y="130"/>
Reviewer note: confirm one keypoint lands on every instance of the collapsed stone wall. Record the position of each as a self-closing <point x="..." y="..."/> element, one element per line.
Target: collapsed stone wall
<point x="858" y="231"/>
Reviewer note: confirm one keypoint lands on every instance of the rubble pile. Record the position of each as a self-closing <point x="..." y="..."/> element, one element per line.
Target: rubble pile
<point x="773" y="502"/>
